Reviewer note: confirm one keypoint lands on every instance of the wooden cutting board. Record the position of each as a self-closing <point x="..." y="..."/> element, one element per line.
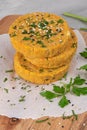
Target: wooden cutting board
<point x="50" y="123"/>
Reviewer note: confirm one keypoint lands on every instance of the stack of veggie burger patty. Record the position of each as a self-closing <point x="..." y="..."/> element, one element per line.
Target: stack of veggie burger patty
<point x="44" y="46"/>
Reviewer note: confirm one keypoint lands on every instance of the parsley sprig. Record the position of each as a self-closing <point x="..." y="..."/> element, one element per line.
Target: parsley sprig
<point x="84" y="53"/>
<point x="74" y="87"/>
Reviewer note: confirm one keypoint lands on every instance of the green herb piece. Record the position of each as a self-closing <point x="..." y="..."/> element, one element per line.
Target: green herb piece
<point x="33" y="25"/>
<point x="84" y="29"/>
<point x="41" y="43"/>
<point x="1" y="56"/>
<point x="78" y="81"/>
<point x="63" y="102"/>
<point x="5" y="79"/>
<point x="24" y="32"/>
<point x="84" y="19"/>
<point x="79" y="91"/>
<point x="75" y="115"/>
<point x="51" y="22"/>
<point x="84" y="67"/>
<point x="6" y="90"/>
<point x="22" y="98"/>
<point x="84" y="54"/>
<point x="48" y="94"/>
<point x="74" y="45"/>
<point x="8" y="71"/>
<point x="13" y="34"/>
<point x="40" y="121"/>
<point x="41" y="25"/>
<point x="60" y="21"/>
<point x="58" y="89"/>
<point x="26" y="38"/>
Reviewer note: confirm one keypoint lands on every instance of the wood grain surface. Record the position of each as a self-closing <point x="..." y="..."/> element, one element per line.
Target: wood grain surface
<point x="51" y="123"/>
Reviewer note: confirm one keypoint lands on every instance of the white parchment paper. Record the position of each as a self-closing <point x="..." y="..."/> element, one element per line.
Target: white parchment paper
<point x="13" y="88"/>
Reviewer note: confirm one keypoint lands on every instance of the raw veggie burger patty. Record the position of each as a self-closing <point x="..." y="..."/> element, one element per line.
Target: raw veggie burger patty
<point x="61" y="59"/>
<point x="45" y="46"/>
<point x="37" y="75"/>
<point x="39" y="35"/>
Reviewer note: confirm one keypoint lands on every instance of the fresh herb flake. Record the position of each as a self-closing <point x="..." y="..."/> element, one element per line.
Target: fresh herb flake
<point x="5" y="79"/>
<point x="48" y="94"/>
<point x="6" y="90"/>
<point x="60" y="21"/>
<point x="63" y="102"/>
<point x="78" y="81"/>
<point x="40" y="121"/>
<point x="26" y="38"/>
<point x="22" y="98"/>
<point x="8" y="71"/>
<point x="75" y="115"/>
<point x="84" y="54"/>
<point x="84" y="67"/>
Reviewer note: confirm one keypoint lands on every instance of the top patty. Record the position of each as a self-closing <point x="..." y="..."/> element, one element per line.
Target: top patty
<point x="39" y="35"/>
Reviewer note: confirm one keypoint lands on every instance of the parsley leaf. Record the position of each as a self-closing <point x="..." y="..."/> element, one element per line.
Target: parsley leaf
<point x="22" y="98"/>
<point x="79" y="91"/>
<point x="78" y="81"/>
<point x="84" y="67"/>
<point x="60" y="21"/>
<point x="84" y="53"/>
<point x="63" y="102"/>
<point x="48" y="94"/>
<point x="58" y="89"/>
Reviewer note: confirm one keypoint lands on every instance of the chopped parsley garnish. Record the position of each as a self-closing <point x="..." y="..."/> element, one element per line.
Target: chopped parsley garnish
<point x="74" y="45"/>
<point x="24" y="32"/>
<point x="6" y="90"/>
<point x="5" y="79"/>
<point x="78" y="81"/>
<point x="40" y="121"/>
<point x="8" y="71"/>
<point x="52" y="22"/>
<point x="41" y="43"/>
<point x="13" y="34"/>
<point x="42" y="25"/>
<point x="33" y="25"/>
<point x="1" y="56"/>
<point x="84" y="67"/>
<point x="22" y="98"/>
<point x="84" y="53"/>
<point x="60" y="21"/>
<point x="75" y="115"/>
<point x="26" y="38"/>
